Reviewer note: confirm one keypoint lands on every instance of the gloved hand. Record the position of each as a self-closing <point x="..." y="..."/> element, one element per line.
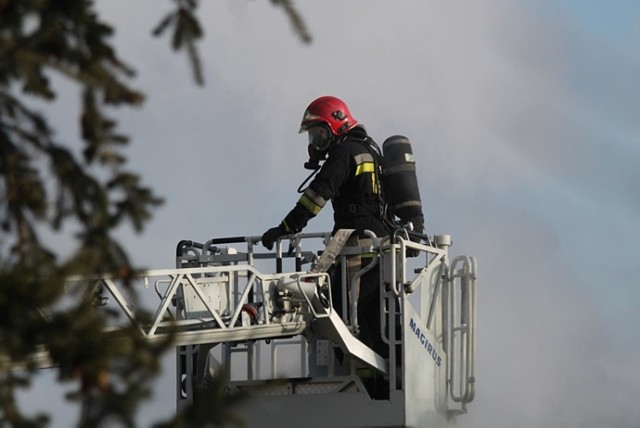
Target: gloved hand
<point x="411" y="252"/>
<point x="418" y="226"/>
<point x="271" y="236"/>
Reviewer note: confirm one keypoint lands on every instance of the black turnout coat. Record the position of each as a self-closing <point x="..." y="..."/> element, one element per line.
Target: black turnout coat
<point x="347" y="179"/>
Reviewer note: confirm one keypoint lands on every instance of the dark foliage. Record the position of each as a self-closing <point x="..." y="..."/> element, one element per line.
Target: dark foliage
<point x="45" y="186"/>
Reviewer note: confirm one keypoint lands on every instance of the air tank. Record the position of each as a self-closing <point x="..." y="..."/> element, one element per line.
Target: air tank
<point x="401" y="183"/>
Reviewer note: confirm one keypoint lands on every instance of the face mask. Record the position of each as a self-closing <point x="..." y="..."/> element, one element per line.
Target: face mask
<point x="320" y="137"/>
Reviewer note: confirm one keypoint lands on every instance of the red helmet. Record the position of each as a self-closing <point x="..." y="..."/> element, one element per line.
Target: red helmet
<point x="330" y="110"/>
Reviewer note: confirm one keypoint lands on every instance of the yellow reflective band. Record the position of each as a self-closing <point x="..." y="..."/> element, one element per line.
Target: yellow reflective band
<point x="363" y="256"/>
<point x="365" y="167"/>
<point x="309" y="204"/>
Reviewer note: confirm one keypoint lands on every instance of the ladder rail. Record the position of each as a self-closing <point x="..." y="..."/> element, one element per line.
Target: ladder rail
<point x="462" y="330"/>
<point x="213" y="320"/>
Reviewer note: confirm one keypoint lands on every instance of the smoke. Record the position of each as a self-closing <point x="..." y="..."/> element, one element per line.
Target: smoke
<point x="545" y="352"/>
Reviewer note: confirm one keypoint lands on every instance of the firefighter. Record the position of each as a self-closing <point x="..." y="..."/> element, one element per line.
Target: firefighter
<point x="348" y="179"/>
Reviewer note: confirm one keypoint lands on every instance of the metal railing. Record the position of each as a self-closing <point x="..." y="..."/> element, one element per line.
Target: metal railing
<point x="461" y="340"/>
<point x="197" y="319"/>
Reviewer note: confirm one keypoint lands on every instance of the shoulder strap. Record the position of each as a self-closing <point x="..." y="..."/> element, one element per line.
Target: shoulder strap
<point x="384" y="214"/>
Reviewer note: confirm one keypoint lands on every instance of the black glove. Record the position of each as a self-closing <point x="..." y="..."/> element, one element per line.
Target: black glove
<point x="411" y="252"/>
<point x="271" y="236"/>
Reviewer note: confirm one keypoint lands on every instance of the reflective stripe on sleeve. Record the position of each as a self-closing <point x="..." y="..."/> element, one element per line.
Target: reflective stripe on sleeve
<point x="312" y="201"/>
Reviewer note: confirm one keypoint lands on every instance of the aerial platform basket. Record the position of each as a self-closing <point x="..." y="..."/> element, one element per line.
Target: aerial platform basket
<point x="275" y="336"/>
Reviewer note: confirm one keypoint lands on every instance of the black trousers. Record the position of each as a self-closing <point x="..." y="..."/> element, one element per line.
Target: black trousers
<point x="369" y="308"/>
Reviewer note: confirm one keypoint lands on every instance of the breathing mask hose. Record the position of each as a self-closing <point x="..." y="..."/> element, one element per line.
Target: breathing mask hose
<point x="306" y="180"/>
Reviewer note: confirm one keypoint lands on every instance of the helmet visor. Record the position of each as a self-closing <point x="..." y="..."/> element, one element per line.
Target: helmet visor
<point x="319" y="137"/>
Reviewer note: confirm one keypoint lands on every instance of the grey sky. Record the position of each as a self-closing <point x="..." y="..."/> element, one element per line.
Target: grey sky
<point x="525" y="122"/>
